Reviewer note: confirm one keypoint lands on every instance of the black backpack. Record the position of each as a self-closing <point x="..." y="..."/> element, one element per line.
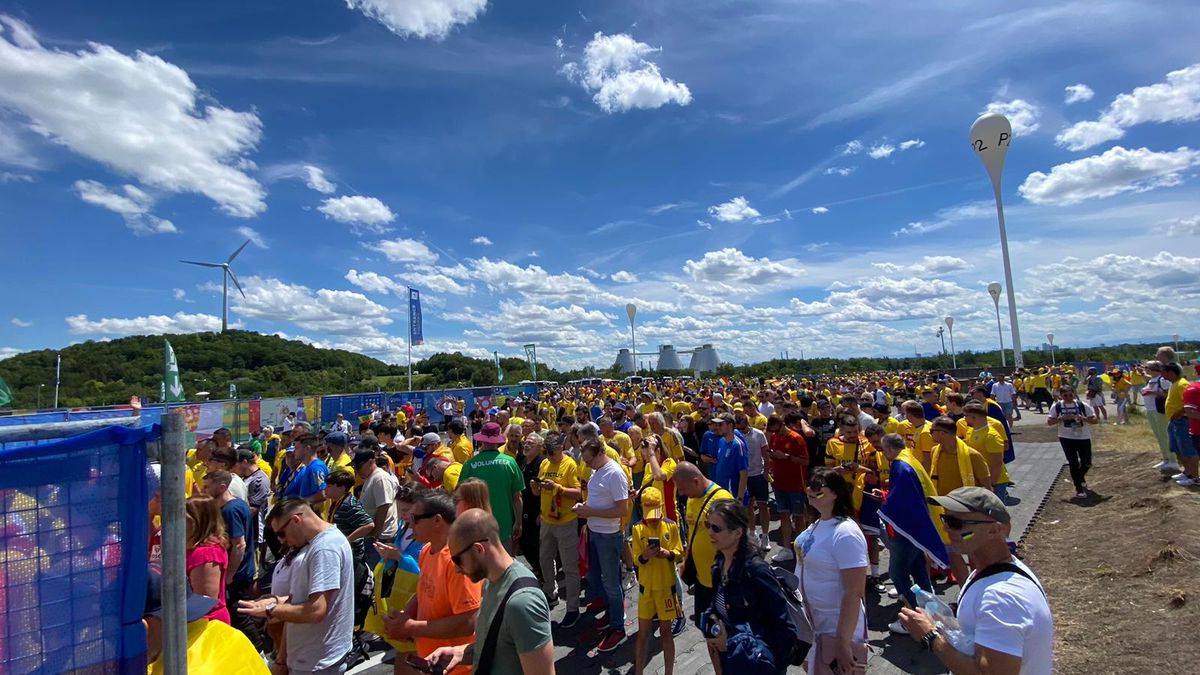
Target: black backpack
<point x="789" y="587"/>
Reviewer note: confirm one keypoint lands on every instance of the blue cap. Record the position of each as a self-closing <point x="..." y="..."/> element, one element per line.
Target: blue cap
<point x="619" y="406"/>
<point x="337" y="438"/>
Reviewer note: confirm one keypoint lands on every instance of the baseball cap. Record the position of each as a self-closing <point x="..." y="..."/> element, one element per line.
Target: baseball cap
<point x="430" y="439"/>
<point x="619" y="406"/>
<point x="361" y="457"/>
<point x="973" y="500"/>
<point x="722" y="419"/>
<point x="652" y="501"/>
<point x="195" y="608"/>
<point x="337" y="438"/>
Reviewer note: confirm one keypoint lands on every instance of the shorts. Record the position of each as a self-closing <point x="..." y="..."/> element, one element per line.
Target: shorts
<point x="758" y="488"/>
<point x="662" y="604"/>
<point x="1095" y="400"/>
<point x="1182" y="443"/>
<point x="790" y="502"/>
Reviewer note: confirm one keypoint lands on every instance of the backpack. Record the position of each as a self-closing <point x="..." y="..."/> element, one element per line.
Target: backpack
<point x="789" y="587"/>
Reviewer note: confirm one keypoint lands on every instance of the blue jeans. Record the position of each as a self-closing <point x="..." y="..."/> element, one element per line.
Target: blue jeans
<point x="906" y="566"/>
<point x="1181" y="442"/>
<point x="1001" y="490"/>
<point x="604" y="574"/>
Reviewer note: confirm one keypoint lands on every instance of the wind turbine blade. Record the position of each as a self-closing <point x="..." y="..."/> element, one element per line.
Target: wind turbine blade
<point x="202" y="264"/>
<point x="235" y="281"/>
<point x="235" y="253"/>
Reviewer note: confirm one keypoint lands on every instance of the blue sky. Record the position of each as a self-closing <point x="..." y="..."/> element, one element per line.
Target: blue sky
<point x="758" y="175"/>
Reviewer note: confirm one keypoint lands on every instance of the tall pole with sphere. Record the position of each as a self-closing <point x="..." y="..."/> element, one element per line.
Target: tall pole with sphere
<point x="1050" y="339"/>
<point x="631" y="310"/>
<point x="990" y="136"/>
<point x="994" y="291"/>
<point x="953" y="353"/>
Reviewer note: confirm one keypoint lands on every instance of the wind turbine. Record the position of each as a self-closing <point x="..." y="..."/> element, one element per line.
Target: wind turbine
<point x="226" y="275"/>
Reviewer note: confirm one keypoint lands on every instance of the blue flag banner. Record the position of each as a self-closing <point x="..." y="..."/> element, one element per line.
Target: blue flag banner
<point x="414" y="317"/>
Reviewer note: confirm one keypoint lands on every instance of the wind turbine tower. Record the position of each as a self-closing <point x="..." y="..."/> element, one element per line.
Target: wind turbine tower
<point x="226" y="275"/>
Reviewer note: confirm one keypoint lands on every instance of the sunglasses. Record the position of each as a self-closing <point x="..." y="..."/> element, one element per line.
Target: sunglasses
<point x="456" y="558"/>
<point x="955" y="523"/>
<point x="283" y="529"/>
<point x="418" y="517"/>
<point x="716" y="529"/>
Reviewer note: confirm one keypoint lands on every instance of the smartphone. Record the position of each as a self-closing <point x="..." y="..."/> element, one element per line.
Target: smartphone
<point x="653" y="541"/>
<point x="421" y="665"/>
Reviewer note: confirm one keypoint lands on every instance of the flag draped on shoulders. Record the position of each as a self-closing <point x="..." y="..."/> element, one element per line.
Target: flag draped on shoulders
<point x="907" y="511"/>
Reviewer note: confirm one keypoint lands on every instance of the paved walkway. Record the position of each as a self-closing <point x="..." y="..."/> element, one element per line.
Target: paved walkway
<point x="1037" y="466"/>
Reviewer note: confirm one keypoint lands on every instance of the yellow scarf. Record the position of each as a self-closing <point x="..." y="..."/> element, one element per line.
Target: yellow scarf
<point x="963" y="455"/>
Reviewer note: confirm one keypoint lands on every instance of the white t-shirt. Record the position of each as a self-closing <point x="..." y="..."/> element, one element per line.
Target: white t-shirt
<point x="281" y="577"/>
<point x="823" y="550"/>
<point x="767" y="408"/>
<point x="1002" y="392"/>
<point x="1078" y="429"/>
<point x="606" y="487"/>
<point x="380" y="488"/>
<point x="237" y="487"/>
<point x="327" y="566"/>
<point x="1008" y="613"/>
<point x="756" y="441"/>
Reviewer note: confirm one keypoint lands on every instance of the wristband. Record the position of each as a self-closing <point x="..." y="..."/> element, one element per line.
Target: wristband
<point x="928" y="638"/>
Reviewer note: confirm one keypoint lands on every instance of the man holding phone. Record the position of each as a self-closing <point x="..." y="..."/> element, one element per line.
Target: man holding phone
<point x="557" y="486"/>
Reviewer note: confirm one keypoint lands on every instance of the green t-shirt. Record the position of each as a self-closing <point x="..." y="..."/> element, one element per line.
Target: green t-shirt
<point x="526" y="624"/>
<point x="503" y="478"/>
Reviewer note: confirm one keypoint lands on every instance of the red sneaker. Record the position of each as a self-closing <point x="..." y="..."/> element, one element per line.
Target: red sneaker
<point x="611" y="641"/>
<point x="596" y="605"/>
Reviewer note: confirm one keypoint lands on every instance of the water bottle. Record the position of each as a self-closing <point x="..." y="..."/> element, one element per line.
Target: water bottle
<point x="943" y="618"/>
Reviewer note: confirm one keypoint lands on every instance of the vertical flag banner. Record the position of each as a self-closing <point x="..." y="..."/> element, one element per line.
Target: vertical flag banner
<point x="531" y="356"/>
<point x="172" y="388"/>
<point x="414" y="317"/>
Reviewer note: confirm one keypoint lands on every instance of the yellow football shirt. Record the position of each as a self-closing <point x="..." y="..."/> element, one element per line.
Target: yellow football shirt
<point x="556" y="508"/>
<point x="656" y="574"/>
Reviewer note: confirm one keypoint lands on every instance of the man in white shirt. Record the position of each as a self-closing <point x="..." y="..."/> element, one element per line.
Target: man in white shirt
<point x="1004" y="393"/>
<point x="341" y="424"/>
<point x="766" y="407"/>
<point x="1002" y="608"/>
<point x="607" y="503"/>
<point x="378" y="500"/>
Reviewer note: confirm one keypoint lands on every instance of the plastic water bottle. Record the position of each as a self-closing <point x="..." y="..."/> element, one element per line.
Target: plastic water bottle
<point x="944" y="618"/>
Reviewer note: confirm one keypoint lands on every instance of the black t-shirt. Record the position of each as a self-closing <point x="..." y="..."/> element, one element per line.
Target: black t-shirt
<point x="826" y="428"/>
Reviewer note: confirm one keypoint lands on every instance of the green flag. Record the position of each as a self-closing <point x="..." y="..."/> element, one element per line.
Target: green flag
<point x="171" y="390"/>
<point x="5" y="395"/>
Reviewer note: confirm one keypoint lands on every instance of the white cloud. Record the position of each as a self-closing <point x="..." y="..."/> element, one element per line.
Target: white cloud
<point x="482" y="241"/>
<point x="134" y="206"/>
<point x="620" y="78"/>
<point x="9" y="352"/>
<point x="420" y="18"/>
<point x="704" y="224"/>
<point x="179" y="294"/>
<point x="367" y="213"/>
<point x="156" y="324"/>
<point x="1176" y="100"/>
<point x="438" y="279"/>
<point x="326" y="311"/>
<point x="881" y="151"/>
<point x="19" y="323"/>
<point x="1117" y="170"/>
<point x="624" y="277"/>
<point x="1184" y="227"/>
<point x="1078" y="93"/>
<point x="911" y="144"/>
<point x="253" y="235"/>
<point x="406" y="250"/>
<point x="820" y="209"/>
<point x="315" y="179"/>
<point x="842" y="171"/>
<point x="852" y="148"/>
<point x="949" y="216"/>
<point x="375" y="283"/>
<point x="927" y="266"/>
<point x="1022" y="114"/>
<point x="589" y="272"/>
<point x="733" y="211"/>
<point x="734" y="268"/>
<point x="141" y="116"/>
<point x="533" y="281"/>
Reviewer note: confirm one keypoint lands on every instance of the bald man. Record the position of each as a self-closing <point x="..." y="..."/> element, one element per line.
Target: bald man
<point x="701" y="493"/>
<point x="524" y="642"/>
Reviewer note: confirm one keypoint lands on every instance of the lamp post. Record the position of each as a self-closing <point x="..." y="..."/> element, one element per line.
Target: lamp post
<point x="1050" y="339"/>
<point x="1175" y="339"/>
<point x="953" y="353"/>
<point x="994" y="291"/>
<point x="990" y="136"/>
<point x="631" y="310"/>
<point x="941" y="333"/>
<point x="39" y="401"/>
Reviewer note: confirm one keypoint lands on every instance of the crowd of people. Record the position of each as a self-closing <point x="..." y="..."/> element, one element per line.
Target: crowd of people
<point x="452" y="543"/>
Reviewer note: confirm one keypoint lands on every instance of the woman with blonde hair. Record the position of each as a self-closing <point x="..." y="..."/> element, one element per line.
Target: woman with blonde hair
<point x="207" y="558"/>
<point x="472" y="494"/>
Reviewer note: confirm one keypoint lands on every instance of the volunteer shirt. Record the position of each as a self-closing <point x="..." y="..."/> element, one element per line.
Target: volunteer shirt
<point x="504" y="481"/>
<point x="607" y="486"/>
<point x="756" y="445"/>
<point x="443" y="591"/>
<point x="556" y="507"/>
<point x="703" y="552"/>
<point x="526" y="622"/>
<point x="1009" y="613"/>
<point x="1077" y="429"/>
<point x="327" y="566"/>
<point x="823" y="552"/>
<point x="657" y="574"/>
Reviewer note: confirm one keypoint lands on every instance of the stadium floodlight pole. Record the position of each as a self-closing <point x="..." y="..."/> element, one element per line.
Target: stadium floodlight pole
<point x="990" y="136"/>
<point x="953" y="353"/>
<point x="994" y="291"/>
<point x="1050" y="339"/>
<point x="631" y="310"/>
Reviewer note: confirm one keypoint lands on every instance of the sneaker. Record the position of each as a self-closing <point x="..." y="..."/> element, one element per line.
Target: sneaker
<point x="1160" y="465"/>
<point x="1179" y="475"/>
<point x="601" y="622"/>
<point x="1187" y="481"/>
<point x="1081" y="495"/>
<point x="678" y="626"/>
<point x="1169" y="467"/>
<point x="783" y="555"/>
<point x="569" y="620"/>
<point x="893" y="592"/>
<point x="611" y="641"/>
<point x="897" y="627"/>
<point x="764" y="541"/>
<point x="596" y="605"/>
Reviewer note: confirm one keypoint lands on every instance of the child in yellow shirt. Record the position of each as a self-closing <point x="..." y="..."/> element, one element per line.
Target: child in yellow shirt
<point x="656" y="547"/>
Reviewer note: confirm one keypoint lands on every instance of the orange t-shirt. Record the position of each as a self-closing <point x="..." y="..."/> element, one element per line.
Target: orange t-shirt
<point x="443" y="591"/>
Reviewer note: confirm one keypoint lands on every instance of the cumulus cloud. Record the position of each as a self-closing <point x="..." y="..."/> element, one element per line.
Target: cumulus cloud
<point x="1175" y="100"/>
<point x="1022" y="114"/>
<point x="365" y="214"/>
<point x="620" y="77"/>
<point x="734" y="211"/>
<point x="179" y="294"/>
<point x="927" y="266"/>
<point x="438" y="279"/>
<point x="375" y="283"/>
<point x="139" y="115"/>
<point x="132" y="204"/>
<point x="624" y="277"/>
<point x="820" y="210"/>
<point x="327" y="311"/>
<point x="1184" y="227"/>
<point x="1115" y="171"/>
<point x="532" y="281"/>
<point x="315" y="179"/>
<point x="852" y="148"/>
<point x="253" y="235"/>
<point x="420" y="18"/>
<point x="482" y="241"/>
<point x="155" y="324"/>
<point x="406" y="250"/>
<point x="732" y="267"/>
<point x="1077" y="93"/>
<point x="881" y="151"/>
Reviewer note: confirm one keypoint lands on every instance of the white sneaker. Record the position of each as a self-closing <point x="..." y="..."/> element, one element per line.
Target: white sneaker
<point x="1178" y="476"/>
<point x="1187" y="482"/>
<point x="1160" y="465"/>
<point x="1169" y="467"/>
<point x="897" y="628"/>
<point x="783" y="555"/>
<point x="893" y="592"/>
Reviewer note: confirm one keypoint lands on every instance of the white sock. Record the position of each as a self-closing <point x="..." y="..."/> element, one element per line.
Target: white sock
<point x="874" y="570"/>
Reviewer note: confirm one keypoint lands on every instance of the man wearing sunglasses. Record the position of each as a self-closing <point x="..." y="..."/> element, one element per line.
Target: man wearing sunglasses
<point x="1002" y="607"/>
